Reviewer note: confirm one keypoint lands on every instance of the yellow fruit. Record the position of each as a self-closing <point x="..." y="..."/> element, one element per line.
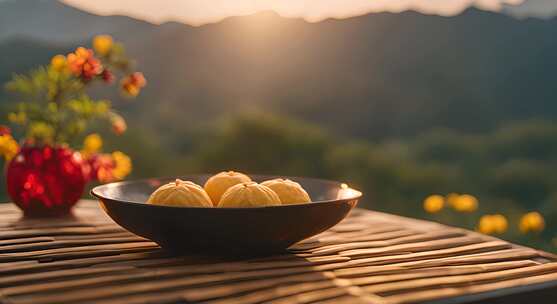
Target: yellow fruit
<point x="181" y="194"/>
<point x="288" y="191"/>
<point x="217" y="184"/>
<point x="250" y="194"/>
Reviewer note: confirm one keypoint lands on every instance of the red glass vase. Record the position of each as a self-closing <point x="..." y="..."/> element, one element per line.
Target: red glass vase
<point x="46" y="181"/>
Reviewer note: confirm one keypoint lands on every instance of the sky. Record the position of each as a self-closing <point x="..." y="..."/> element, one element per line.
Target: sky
<point x="198" y="12"/>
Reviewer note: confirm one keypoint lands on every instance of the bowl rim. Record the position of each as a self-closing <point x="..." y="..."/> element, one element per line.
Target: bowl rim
<point x="96" y="192"/>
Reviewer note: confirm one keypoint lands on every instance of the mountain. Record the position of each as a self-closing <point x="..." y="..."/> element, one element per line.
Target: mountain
<point x="371" y="76"/>
<point x="54" y="21"/>
<point x="532" y="8"/>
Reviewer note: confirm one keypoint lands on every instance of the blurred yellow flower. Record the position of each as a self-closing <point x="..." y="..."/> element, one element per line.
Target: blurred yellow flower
<point x="122" y="165"/>
<point x="531" y="222"/>
<point x="465" y="203"/>
<point x="92" y="144"/>
<point x="434" y="203"/>
<point x="8" y="147"/>
<point x="492" y="223"/>
<point x="17" y="118"/>
<point x="58" y="63"/>
<point x="102" y="44"/>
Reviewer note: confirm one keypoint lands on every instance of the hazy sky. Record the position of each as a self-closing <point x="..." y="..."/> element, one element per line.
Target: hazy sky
<point x="205" y="11"/>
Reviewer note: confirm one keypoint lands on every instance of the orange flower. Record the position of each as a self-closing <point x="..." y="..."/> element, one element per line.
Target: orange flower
<point x="102" y="165"/>
<point x="119" y="125"/>
<point x="132" y="84"/>
<point x="82" y="63"/>
<point x="111" y="167"/>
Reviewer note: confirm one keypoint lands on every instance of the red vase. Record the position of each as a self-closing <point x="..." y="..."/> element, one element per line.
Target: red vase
<point x="46" y="181"/>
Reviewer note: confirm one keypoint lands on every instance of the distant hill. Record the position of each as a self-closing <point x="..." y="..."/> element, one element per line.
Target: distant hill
<point x="371" y="76"/>
<point x="54" y="21"/>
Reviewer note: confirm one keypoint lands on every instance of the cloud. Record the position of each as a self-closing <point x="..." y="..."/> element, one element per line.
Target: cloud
<point x="205" y="11"/>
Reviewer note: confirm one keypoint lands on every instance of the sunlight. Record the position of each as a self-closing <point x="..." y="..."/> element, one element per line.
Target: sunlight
<point x="345" y="192"/>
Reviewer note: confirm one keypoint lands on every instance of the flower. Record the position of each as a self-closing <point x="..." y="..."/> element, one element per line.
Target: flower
<point x="434" y="203"/>
<point x="101" y="167"/>
<point x="492" y="223"/>
<point x="82" y="63"/>
<point x="8" y="147"/>
<point x="132" y="84"/>
<point x="107" y="76"/>
<point x="5" y="130"/>
<point x="465" y="203"/>
<point x="92" y="144"/>
<point x="531" y="222"/>
<point x="58" y="63"/>
<point x="119" y="125"/>
<point x="122" y="165"/>
<point x="110" y="167"/>
<point x="102" y="44"/>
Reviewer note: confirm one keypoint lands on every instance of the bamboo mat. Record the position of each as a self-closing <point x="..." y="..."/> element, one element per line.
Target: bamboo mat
<point x="370" y="257"/>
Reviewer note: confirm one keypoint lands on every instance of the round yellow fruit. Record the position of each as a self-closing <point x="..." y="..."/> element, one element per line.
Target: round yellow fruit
<point x="288" y="191"/>
<point x="217" y="184"/>
<point x="250" y="194"/>
<point x="182" y="194"/>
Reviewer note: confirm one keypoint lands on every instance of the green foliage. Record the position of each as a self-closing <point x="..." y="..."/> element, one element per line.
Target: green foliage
<point x="261" y="142"/>
<point x="53" y="107"/>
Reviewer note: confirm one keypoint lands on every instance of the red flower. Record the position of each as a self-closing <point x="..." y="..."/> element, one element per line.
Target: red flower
<point x="4" y="130"/>
<point x="138" y="79"/>
<point x="82" y="63"/>
<point x="107" y="168"/>
<point x="107" y="76"/>
<point x="101" y="166"/>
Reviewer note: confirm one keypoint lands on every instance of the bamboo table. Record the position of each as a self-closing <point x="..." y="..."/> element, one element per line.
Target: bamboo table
<point x="370" y="257"/>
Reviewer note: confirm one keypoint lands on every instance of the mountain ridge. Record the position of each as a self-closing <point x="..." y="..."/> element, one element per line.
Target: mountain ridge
<point x="58" y="10"/>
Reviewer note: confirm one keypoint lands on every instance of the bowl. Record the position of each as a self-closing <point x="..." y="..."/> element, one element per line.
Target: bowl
<point x="226" y="231"/>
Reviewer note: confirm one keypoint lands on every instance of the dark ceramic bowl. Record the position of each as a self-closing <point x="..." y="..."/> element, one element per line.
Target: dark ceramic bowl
<point x="226" y="231"/>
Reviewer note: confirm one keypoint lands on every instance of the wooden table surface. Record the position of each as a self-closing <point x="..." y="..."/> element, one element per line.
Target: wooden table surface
<point x="370" y="257"/>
